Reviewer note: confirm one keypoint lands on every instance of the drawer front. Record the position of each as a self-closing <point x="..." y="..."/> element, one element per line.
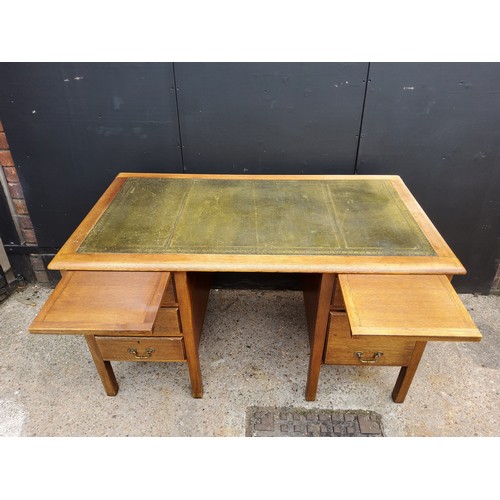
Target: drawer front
<point x="342" y="349"/>
<point x="167" y="322"/>
<point x="141" y="348"/>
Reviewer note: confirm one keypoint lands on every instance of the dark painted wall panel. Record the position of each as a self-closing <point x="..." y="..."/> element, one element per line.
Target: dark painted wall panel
<point x="73" y="126"/>
<point x="270" y="117"/>
<point x="438" y="126"/>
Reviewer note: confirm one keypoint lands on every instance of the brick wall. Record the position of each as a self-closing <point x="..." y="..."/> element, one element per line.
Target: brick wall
<point x="28" y="236"/>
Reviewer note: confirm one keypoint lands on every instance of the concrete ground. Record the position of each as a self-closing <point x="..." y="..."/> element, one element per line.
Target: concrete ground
<point x="254" y="352"/>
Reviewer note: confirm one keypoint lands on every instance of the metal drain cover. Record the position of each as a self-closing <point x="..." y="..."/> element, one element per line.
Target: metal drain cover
<point x="300" y="422"/>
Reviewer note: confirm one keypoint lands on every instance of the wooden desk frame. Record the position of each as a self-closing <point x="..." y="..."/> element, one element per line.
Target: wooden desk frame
<point x="324" y="267"/>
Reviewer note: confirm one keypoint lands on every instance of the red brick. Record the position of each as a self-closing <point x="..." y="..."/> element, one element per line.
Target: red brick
<point x="20" y="206"/>
<point x="16" y="191"/>
<point x="29" y="236"/>
<point x="6" y="159"/>
<point x="3" y="141"/>
<point x="25" y="221"/>
<point x="11" y="174"/>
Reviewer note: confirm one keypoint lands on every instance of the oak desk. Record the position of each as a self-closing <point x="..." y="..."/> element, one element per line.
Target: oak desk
<point x="316" y="225"/>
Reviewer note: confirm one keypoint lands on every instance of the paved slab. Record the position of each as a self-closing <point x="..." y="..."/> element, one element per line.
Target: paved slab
<point x="300" y="422"/>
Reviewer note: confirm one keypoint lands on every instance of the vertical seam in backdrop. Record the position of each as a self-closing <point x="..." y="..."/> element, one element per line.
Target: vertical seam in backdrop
<point x="361" y="121"/>
<point x="178" y="119"/>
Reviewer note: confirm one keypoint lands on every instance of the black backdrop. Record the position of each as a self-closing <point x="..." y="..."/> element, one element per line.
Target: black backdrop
<point x="73" y="126"/>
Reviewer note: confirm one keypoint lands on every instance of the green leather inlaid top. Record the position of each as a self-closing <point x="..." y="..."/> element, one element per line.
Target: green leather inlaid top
<point x="267" y="217"/>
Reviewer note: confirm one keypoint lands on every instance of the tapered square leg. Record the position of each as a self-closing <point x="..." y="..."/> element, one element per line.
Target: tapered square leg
<point x="407" y="373"/>
<point x="320" y="306"/>
<point x="103" y="367"/>
<point x="192" y="295"/>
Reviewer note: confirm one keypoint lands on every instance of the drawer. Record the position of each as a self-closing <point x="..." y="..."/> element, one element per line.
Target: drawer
<point x="141" y="348"/>
<point x="341" y="351"/>
<point x="167" y="322"/>
<point x="341" y="348"/>
<point x="170" y="296"/>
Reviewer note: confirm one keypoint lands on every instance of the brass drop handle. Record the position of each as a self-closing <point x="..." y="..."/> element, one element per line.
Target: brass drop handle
<point x="149" y="351"/>
<point x="377" y="355"/>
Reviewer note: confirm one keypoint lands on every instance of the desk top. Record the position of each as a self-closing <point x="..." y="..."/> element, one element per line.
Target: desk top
<point x="258" y="223"/>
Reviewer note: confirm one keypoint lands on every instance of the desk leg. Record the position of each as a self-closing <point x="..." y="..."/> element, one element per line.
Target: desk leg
<point x="103" y="367"/>
<point x="319" y="326"/>
<point x="407" y="373"/>
<point x="192" y="311"/>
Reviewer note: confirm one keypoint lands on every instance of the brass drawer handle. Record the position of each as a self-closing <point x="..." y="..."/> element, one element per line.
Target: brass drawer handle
<point x="377" y="355"/>
<point x="149" y="351"/>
